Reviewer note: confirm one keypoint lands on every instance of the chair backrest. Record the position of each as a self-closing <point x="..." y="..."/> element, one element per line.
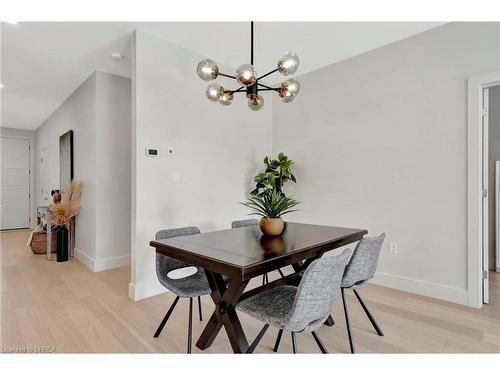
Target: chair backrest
<point x="318" y="292"/>
<point x="244" y="223"/>
<point x="364" y="260"/>
<point x="165" y="264"/>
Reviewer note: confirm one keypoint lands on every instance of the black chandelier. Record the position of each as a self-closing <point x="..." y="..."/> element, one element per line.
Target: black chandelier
<point x="247" y="76"/>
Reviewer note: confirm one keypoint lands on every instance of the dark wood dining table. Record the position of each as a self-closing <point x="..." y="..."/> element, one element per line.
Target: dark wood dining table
<point x="241" y="254"/>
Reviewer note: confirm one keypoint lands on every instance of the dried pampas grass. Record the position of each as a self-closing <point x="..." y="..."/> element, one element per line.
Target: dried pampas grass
<point x="69" y="206"/>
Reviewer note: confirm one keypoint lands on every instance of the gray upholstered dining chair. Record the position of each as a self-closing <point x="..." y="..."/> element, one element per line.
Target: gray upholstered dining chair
<point x="359" y="270"/>
<point x="299" y="309"/>
<point x="194" y="285"/>
<point x="249" y="223"/>
<point x="244" y="223"/>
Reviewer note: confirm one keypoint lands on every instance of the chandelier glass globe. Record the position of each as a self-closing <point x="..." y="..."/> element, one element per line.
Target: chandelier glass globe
<point x="226" y="98"/>
<point x="256" y="102"/>
<point x="289" y="90"/>
<point x="214" y="92"/>
<point x="246" y="75"/>
<point x="288" y="63"/>
<point x="207" y="70"/>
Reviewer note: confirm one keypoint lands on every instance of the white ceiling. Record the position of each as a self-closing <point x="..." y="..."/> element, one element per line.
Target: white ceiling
<point x="44" y="62"/>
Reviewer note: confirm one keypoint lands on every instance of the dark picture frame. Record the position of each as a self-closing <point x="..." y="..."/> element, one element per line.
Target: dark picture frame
<point x="66" y="175"/>
<point x="66" y="170"/>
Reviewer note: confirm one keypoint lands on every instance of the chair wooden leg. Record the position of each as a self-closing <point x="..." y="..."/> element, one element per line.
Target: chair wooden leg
<point x="190" y="325"/>
<point x="278" y="339"/>
<point x="320" y="343"/>
<point x="294" y="344"/>
<point x="368" y="314"/>
<point x="255" y="342"/>
<point x="348" y="324"/>
<point x="165" y="318"/>
<point x="199" y="309"/>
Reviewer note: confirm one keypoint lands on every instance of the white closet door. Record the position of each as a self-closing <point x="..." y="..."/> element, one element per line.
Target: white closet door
<point x="14" y="183"/>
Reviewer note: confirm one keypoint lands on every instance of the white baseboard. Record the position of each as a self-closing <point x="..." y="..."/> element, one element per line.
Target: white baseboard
<point x="146" y="289"/>
<point x="440" y="291"/>
<point x="85" y="259"/>
<point x="425" y="288"/>
<point x="110" y="263"/>
<point x="97" y="265"/>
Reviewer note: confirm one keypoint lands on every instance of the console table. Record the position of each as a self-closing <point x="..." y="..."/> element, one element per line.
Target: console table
<point x="43" y="212"/>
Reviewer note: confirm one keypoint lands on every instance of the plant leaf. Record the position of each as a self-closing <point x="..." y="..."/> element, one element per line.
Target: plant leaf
<point x="271" y="203"/>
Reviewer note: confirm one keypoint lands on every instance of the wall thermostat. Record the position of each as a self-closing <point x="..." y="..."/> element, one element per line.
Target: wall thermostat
<point x="151" y="152"/>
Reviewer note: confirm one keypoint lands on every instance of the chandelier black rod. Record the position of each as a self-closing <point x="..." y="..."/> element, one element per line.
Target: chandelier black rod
<point x="267" y="74"/>
<point x="251" y="42"/>
<point x="242" y="88"/>
<point x="237" y="90"/>
<point x="226" y="75"/>
<point x="268" y="88"/>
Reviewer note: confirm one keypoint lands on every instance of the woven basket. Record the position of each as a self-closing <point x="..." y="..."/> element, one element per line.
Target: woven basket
<point x="39" y="243"/>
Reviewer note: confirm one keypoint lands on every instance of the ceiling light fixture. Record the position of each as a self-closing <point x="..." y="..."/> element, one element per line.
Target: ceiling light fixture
<point x="247" y="77"/>
<point x="12" y="22"/>
<point x="1" y="85"/>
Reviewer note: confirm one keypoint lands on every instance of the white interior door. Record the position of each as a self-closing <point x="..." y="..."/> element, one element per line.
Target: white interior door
<point x="485" y="196"/>
<point x="15" y="183"/>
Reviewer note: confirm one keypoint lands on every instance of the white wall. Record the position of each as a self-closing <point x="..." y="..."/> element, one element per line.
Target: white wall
<point x="217" y="151"/>
<point x="494" y="151"/>
<point x="30" y="136"/>
<point x="98" y="112"/>
<point x="77" y="113"/>
<point x="113" y="170"/>
<point x="379" y="142"/>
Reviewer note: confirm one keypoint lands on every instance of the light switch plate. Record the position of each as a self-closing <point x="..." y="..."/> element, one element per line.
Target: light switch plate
<point x="177" y="178"/>
<point x="393" y="248"/>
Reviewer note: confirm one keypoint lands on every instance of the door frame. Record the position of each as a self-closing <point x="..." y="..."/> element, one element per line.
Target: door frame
<point x="14" y="134"/>
<point x="497" y="216"/>
<point x="475" y="87"/>
<point x="485" y="125"/>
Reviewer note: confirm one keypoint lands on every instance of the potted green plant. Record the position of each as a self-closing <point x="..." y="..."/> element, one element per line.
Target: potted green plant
<point x="271" y="205"/>
<point x="276" y="174"/>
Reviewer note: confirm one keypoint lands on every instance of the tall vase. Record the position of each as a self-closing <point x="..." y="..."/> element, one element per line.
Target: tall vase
<point x="62" y="244"/>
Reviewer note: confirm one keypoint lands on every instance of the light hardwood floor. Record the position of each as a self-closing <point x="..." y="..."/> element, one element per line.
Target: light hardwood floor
<point x="66" y="306"/>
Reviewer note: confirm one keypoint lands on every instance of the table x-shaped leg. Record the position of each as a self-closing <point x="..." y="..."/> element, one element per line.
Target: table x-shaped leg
<point x="225" y="299"/>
